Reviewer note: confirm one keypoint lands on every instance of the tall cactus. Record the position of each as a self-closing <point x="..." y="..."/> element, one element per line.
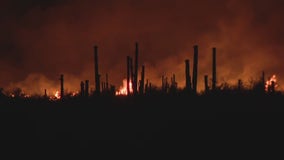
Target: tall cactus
<point x="142" y="81"/>
<point x="206" y="83"/>
<point x="131" y="73"/>
<point x="61" y="86"/>
<point x="214" y="69"/>
<point x="128" y="74"/>
<point x="97" y="75"/>
<point x="135" y="79"/>
<point x="82" y="86"/>
<point x="187" y="75"/>
<point x="107" y="85"/>
<point x="195" y="68"/>
<point x="87" y="88"/>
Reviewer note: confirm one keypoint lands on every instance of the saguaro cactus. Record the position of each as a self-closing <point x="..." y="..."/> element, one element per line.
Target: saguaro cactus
<point x="107" y="86"/>
<point x="187" y="75"/>
<point x="214" y="69"/>
<point x="195" y="68"/>
<point x="128" y="74"/>
<point x="206" y="83"/>
<point x="97" y="75"/>
<point x="142" y="81"/>
<point x="135" y="79"/>
<point x="82" y="86"/>
<point x="87" y="88"/>
<point x="61" y="86"/>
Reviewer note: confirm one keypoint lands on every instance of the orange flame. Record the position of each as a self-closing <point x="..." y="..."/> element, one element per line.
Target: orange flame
<point x="57" y="95"/>
<point x="75" y="94"/>
<point x="123" y="89"/>
<point x="269" y="82"/>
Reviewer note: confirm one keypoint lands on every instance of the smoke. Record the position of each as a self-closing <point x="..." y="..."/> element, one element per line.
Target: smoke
<point x="36" y="84"/>
<point x="40" y="40"/>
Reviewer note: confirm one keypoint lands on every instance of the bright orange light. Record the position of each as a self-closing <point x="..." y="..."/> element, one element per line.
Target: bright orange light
<point x="123" y="89"/>
<point x="269" y="82"/>
<point x="57" y="95"/>
<point x="75" y="94"/>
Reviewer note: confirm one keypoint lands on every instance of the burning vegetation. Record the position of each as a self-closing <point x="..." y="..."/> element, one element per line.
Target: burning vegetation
<point x="132" y="85"/>
<point x="123" y="91"/>
<point x="271" y="84"/>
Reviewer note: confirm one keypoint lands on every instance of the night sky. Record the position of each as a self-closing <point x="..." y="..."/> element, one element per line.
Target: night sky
<point x="41" y="39"/>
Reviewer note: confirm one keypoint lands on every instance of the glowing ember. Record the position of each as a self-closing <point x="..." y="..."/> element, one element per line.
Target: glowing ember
<point x="269" y="83"/>
<point x="74" y="94"/>
<point x="57" y="95"/>
<point x="123" y="89"/>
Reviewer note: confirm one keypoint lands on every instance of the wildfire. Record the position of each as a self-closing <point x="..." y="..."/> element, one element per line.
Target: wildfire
<point x="123" y="89"/>
<point x="269" y="83"/>
<point x="57" y="95"/>
<point x="73" y="94"/>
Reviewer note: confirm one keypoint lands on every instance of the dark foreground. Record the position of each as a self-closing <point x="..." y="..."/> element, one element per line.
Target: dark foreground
<point x="137" y="127"/>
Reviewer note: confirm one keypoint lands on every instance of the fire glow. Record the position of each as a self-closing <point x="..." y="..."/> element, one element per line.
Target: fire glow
<point x="271" y="81"/>
<point x="57" y="95"/>
<point x="123" y="89"/>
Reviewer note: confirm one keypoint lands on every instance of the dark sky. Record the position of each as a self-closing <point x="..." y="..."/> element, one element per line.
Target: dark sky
<point x="40" y="39"/>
